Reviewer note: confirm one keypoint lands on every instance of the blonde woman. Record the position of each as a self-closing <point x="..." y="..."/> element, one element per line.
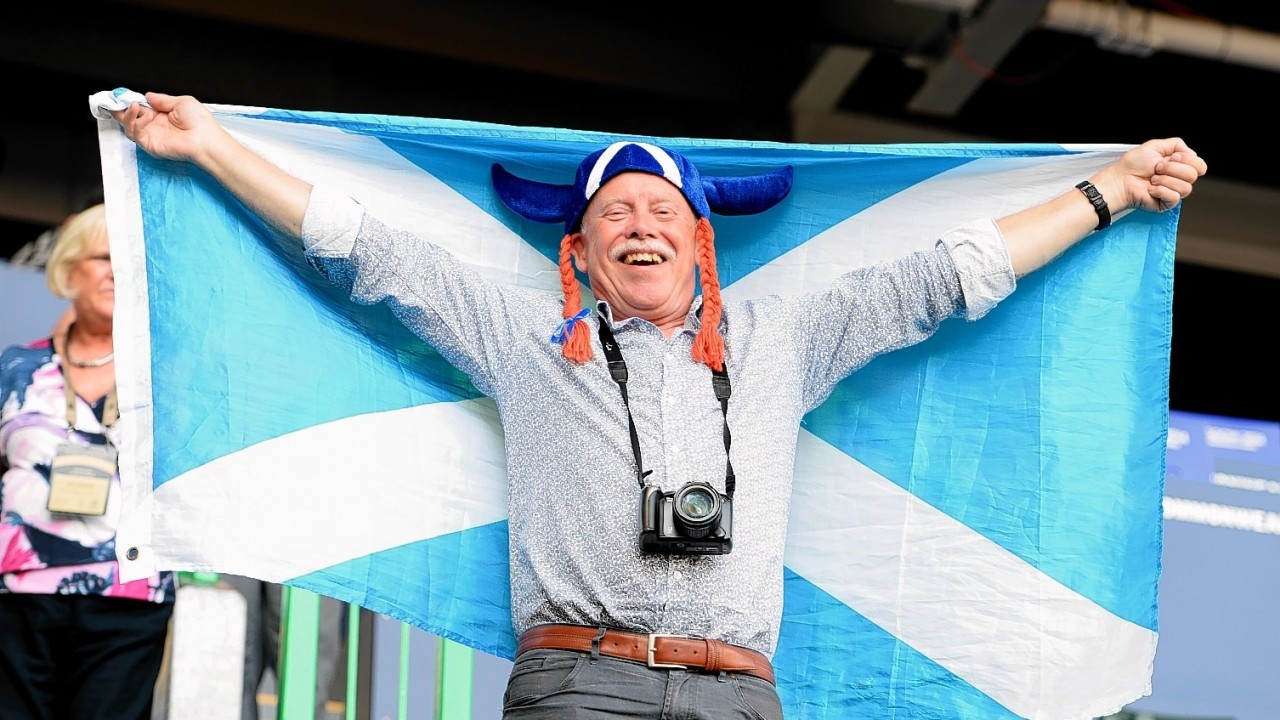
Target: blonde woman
<point x="75" y="643"/>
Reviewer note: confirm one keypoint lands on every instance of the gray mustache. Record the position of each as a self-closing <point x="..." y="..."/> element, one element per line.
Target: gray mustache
<point x="642" y="246"/>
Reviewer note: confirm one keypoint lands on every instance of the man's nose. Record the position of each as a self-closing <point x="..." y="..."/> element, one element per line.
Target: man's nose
<point x="641" y="225"/>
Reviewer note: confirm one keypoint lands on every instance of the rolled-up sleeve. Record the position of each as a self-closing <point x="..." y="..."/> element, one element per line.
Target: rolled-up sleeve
<point x="330" y="223"/>
<point x="982" y="264"/>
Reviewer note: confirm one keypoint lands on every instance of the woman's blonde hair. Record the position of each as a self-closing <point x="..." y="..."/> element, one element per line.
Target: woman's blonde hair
<point x="86" y="227"/>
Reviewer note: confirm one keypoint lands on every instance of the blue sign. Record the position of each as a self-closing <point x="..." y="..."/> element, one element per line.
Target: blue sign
<point x="1219" y="634"/>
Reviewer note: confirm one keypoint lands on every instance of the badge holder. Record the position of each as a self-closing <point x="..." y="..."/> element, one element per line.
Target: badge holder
<point x="80" y="476"/>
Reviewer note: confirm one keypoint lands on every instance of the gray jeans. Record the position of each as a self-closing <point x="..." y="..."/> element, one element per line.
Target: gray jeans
<point x="556" y="684"/>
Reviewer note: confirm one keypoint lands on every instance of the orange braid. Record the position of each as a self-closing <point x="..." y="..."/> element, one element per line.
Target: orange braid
<point x="577" y="346"/>
<point x="708" y="346"/>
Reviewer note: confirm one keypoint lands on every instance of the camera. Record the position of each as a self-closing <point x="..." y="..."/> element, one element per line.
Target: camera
<point x="695" y="520"/>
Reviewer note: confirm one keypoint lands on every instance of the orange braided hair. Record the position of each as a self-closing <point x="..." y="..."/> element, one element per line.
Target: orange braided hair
<point x="577" y="344"/>
<point x="708" y="346"/>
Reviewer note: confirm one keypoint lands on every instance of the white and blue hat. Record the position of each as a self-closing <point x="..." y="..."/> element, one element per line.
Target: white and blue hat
<point x="547" y="202"/>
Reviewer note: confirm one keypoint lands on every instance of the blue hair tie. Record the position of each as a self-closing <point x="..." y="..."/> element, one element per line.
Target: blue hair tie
<point x="565" y="329"/>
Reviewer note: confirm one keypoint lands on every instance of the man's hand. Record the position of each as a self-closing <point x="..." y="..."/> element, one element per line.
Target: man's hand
<point x="1154" y="176"/>
<point x="172" y="128"/>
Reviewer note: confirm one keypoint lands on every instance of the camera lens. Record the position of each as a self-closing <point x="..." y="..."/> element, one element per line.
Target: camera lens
<point x="696" y="509"/>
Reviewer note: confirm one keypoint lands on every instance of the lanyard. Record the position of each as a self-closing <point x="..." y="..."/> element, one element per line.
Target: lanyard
<point x="110" y="410"/>
<point x="618" y="369"/>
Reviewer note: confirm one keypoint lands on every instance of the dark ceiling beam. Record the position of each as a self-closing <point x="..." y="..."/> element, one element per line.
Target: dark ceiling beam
<point x="829" y="80"/>
<point x="980" y="46"/>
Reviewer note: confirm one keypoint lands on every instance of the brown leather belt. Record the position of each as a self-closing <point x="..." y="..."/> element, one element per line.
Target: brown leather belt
<point x="655" y="650"/>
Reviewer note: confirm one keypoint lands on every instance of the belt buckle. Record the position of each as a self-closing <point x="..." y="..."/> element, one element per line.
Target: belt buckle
<point x="649" y="658"/>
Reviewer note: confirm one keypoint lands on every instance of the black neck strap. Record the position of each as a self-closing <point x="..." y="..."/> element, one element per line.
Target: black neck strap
<point x="618" y="369"/>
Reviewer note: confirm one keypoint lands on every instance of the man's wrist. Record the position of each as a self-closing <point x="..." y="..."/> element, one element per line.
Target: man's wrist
<point x="1100" y="207"/>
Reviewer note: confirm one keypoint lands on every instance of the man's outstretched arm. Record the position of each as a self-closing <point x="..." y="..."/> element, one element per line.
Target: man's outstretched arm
<point x="181" y="128"/>
<point x="1154" y="176"/>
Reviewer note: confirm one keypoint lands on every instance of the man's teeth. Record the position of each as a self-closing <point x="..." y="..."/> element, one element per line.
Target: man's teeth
<point x="642" y="258"/>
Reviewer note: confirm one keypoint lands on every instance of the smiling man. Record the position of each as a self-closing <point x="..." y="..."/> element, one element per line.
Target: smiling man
<point x="646" y="538"/>
<point x="637" y="223"/>
<point x="641" y="248"/>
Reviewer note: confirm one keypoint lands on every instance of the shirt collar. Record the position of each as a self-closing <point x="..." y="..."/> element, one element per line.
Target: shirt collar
<point x="692" y="321"/>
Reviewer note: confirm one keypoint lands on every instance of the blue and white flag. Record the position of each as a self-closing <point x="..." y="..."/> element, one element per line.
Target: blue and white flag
<point x="976" y="522"/>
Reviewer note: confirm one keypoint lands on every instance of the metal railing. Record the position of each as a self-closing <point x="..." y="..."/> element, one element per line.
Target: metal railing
<point x="453" y="666"/>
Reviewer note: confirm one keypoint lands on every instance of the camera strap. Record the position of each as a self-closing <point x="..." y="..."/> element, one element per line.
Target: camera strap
<point x="618" y="370"/>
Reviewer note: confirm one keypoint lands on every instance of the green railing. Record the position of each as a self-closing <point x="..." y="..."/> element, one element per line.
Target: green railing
<point x="298" y="659"/>
<point x="296" y="675"/>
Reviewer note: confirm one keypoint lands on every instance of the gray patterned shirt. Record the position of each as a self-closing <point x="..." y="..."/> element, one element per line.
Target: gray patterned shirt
<point x="572" y="489"/>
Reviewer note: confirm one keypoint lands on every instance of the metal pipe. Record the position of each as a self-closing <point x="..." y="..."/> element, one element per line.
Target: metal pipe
<point x="1122" y="28"/>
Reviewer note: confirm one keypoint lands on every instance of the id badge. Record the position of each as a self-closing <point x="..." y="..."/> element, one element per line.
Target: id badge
<point x="81" y="478"/>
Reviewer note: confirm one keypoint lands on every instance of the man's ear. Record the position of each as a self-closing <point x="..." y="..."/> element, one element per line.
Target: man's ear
<point x="578" y="249"/>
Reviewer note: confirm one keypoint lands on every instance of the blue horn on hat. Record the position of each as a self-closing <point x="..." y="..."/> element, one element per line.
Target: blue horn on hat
<point x="548" y="203"/>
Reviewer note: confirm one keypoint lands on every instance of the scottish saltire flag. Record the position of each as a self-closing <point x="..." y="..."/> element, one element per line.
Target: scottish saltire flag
<point x="976" y="524"/>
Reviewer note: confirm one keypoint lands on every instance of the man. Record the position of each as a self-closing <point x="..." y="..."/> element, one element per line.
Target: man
<point x="639" y="402"/>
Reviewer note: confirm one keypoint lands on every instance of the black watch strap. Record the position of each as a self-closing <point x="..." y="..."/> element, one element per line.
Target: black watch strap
<point x="1099" y="203"/>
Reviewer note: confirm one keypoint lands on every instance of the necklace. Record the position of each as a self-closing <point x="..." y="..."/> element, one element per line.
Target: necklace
<point x="96" y="362"/>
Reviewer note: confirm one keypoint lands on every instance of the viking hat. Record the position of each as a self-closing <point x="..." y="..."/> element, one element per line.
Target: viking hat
<point x="550" y="203"/>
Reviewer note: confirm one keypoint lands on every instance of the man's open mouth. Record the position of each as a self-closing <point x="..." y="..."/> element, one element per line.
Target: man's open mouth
<point x="643" y="258"/>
